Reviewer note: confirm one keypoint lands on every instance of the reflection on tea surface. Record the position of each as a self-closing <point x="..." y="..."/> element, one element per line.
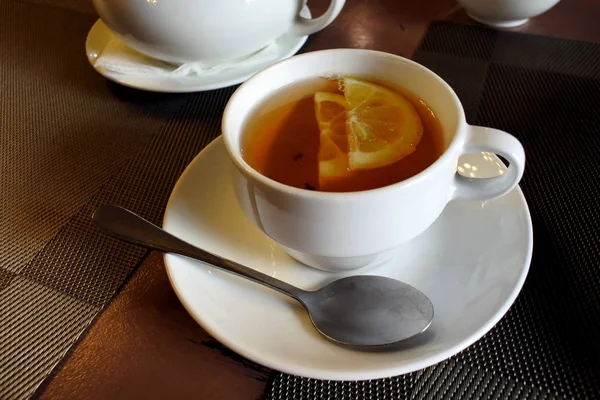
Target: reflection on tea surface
<point x="341" y="135"/>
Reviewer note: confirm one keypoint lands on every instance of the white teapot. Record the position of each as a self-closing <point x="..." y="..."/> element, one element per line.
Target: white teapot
<point x="505" y="13"/>
<point x="207" y="31"/>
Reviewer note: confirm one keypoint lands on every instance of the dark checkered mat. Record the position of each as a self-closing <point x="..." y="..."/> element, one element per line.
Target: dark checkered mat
<point x="546" y="92"/>
<point x="70" y="141"/>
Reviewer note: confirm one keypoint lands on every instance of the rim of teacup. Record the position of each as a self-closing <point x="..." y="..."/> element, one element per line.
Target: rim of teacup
<point x="244" y="167"/>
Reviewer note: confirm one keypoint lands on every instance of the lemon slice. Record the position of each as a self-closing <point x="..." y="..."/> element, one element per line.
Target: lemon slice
<point x="330" y="111"/>
<point x="383" y="126"/>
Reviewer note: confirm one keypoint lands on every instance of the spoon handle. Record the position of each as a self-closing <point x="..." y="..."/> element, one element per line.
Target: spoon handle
<point x="124" y="225"/>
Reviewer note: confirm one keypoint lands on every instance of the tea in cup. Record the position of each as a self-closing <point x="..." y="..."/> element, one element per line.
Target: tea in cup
<point x="341" y="156"/>
<point x="207" y="31"/>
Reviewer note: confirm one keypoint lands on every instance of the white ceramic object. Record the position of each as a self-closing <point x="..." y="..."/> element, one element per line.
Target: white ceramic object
<point x="100" y="35"/>
<point x="505" y="13"/>
<point x="471" y="263"/>
<point x="207" y="31"/>
<point x="342" y="231"/>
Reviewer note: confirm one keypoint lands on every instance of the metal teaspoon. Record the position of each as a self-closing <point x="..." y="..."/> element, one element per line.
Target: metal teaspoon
<point x="360" y="310"/>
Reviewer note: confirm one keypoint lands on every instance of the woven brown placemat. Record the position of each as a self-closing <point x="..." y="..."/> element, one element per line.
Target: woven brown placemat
<point x="70" y="141"/>
<point x="545" y="91"/>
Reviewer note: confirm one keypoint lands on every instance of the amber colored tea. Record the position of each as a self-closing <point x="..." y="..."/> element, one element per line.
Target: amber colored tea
<point x="282" y="136"/>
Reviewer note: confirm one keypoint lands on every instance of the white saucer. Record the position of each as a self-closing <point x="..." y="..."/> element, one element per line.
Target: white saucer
<point x="471" y="263"/>
<point x="100" y="35"/>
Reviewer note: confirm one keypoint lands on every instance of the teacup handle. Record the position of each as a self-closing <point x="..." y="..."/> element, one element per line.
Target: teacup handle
<point x="305" y="26"/>
<point x="492" y="140"/>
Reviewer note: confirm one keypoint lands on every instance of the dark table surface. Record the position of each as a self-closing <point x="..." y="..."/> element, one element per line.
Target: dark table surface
<point x="144" y="344"/>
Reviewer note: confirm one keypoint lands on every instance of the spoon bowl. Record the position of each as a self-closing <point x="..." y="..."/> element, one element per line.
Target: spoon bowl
<point x="368" y="310"/>
<point x="364" y="311"/>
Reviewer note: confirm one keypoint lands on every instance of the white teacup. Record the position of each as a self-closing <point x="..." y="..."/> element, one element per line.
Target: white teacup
<point x="207" y="31"/>
<point x="342" y="231"/>
<point x="505" y="13"/>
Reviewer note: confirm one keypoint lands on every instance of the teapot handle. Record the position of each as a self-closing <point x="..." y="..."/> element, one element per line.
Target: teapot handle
<point x="305" y="26"/>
